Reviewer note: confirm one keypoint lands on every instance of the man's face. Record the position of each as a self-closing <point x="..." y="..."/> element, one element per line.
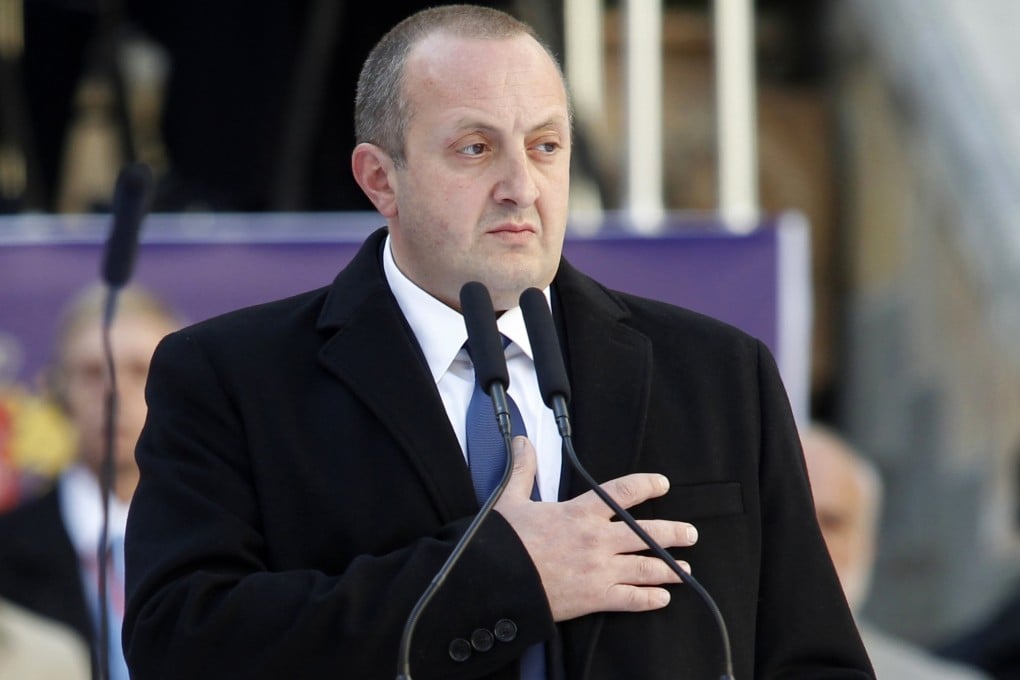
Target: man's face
<point x="844" y="515"/>
<point x="483" y="192"/>
<point x="84" y="384"/>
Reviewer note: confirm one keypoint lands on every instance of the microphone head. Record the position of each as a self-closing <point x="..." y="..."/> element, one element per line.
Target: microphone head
<point x="484" y="341"/>
<point x="552" y="374"/>
<point x="131" y="198"/>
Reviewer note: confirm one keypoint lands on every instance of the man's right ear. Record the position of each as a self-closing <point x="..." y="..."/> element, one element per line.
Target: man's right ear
<point x="374" y="171"/>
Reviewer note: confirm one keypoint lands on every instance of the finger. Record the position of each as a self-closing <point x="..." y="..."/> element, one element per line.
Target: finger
<point x="628" y="598"/>
<point x="525" y="464"/>
<point x="628" y="491"/>
<point x="642" y="570"/>
<point x="666" y="533"/>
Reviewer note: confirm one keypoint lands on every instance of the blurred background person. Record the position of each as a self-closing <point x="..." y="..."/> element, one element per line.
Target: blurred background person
<point x="847" y="491"/>
<point x="49" y="560"/>
<point x="36" y="648"/>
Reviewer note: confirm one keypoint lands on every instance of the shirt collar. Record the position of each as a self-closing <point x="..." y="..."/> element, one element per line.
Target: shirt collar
<point x="439" y="329"/>
<point x="81" y="508"/>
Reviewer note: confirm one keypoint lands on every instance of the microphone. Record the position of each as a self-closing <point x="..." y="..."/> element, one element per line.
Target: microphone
<point x="492" y="376"/>
<point x="487" y="352"/>
<point x="131" y="199"/>
<point x="552" y="374"/>
<point x="555" y="389"/>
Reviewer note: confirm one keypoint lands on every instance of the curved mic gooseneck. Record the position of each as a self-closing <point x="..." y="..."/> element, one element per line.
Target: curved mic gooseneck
<point x="491" y="375"/>
<point x="131" y="199"/>
<point x="555" y="389"/>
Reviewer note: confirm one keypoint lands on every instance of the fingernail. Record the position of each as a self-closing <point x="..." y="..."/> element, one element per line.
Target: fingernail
<point x="662" y="598"/>
<point x="665" y="482"/>
<point x="686" y="566"/>
<point x="518" y="445"/>
<point x="692" y="534"/>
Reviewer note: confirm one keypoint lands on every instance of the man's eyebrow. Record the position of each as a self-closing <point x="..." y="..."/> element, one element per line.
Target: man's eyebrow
<point x="469" y="123"/>
<point x="555" y="122"/>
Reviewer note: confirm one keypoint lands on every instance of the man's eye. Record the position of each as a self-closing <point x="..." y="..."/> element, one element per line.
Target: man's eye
<point x="547" y="147"/>
<point x="476" y="149"/>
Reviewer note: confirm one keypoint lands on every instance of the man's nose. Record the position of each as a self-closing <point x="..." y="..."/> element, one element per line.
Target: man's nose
<point x="516" y="184"/>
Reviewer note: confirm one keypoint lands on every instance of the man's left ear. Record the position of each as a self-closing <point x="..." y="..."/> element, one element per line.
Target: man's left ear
<point x="374" y="172"/>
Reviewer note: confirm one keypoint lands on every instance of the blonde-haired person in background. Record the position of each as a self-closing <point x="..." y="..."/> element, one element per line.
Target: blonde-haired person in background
<point x="847" y="491"/>
<point x="49" y="562"/>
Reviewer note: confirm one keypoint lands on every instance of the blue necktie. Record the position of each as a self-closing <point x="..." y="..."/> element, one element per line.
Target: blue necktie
<point x="487" y="460"/>
<point x="485" y="445"/>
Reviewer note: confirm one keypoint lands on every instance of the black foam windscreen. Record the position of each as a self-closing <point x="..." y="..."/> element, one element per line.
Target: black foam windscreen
<point x="545" y="345"/>
<point x="484" y="341"/>
<point x="131" y="198"/>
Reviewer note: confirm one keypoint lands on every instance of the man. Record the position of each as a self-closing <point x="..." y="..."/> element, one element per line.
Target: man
<point x="303" y="469"/>
<point x="848" y="497"/>
<point x="49" y="561"/>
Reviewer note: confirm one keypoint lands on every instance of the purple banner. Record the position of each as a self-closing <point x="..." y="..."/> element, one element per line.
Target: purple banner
<point x="204" y="265"/>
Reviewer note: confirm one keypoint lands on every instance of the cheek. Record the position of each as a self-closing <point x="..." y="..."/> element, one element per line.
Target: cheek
<point x="841" y="551"/>
<point x="85" y="407"/>
<point x="554" y="206"/>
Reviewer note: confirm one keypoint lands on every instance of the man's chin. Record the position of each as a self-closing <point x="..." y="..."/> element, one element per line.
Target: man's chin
<point x="507" y="294"/>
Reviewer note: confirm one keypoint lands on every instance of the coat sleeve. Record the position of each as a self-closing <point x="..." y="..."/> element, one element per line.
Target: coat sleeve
<point x="208" y="599"/>
<point x="804" y="628"/>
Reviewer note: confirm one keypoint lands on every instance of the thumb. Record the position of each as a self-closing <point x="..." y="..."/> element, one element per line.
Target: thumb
<point x="522" y="477"/>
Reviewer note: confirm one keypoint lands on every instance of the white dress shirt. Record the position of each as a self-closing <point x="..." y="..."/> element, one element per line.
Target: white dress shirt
<point x="441" y="334"/>
<point x="81" y="508"/>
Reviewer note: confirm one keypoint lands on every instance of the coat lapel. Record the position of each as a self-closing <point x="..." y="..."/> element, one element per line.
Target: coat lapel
<point x="374" y="353"/>
<point x="610" y="372"/>
<point x="609" y="365"/>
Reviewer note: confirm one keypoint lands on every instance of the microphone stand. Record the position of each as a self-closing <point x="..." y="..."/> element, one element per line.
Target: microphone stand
<point x="497" y="392"/>
<point x="107" y="481"/>
<point x="491" y="375"/>
<point x="130" y="204"/>
<point x="559" y="406"/>
<point x="555" y="388"/>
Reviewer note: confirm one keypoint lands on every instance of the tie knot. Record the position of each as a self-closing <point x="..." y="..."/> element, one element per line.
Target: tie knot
<point x="502" y="338"/>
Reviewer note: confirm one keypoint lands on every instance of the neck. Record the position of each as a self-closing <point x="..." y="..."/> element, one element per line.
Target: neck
<point x="124" y="483"/>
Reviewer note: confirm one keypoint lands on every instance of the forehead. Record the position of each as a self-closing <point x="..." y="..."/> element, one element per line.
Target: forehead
<point x="453" y="76"/>
<point x="834" y="480"/>
<point x="131" y="334"/>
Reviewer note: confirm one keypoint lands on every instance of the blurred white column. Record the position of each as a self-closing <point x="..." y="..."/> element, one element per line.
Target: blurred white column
<point x="643" y="97"/>
<point x="736" y="113"/>
<point x="584" y="49"/>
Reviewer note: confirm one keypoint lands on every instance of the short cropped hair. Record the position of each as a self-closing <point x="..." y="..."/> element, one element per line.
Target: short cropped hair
<point x="381" y="109"/>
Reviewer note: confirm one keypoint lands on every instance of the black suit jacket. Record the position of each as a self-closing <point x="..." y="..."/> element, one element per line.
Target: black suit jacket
<point x="39" y="567"/>
<point x="301" y="485"/>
